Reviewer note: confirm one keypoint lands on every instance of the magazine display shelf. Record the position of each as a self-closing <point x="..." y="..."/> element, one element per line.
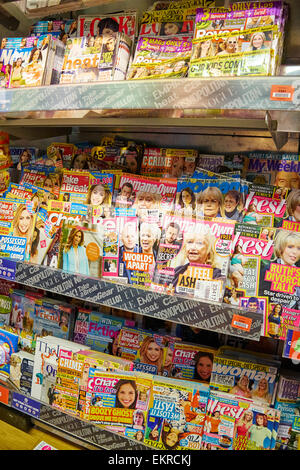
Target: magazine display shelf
<point x="221" y="318"/>
<point x="271" y="103"/>
<point x="94" y="436"/>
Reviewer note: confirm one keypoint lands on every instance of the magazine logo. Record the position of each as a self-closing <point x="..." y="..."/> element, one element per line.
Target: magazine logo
<point x="224" y="409"/>
<point x="75" y="184"/>
<point x="265" y="205"/>
<point x="262" y="166"/>
<point x="147" y="187"/>
<point x="126" y="25"/>
<point x="256" y="247"/>
<point x="236" y="371"/>
<point x="57" y="219"/>
<point x="99" y="382"/>
<point x="102" y="330"/>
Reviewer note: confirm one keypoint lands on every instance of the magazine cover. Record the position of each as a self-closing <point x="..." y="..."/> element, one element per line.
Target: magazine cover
<point x="122" y="256"/>
<point x="47" y="230"/>
<point x="222" y="413"/>
<point x="21" y="369"/>
<point x="166" y="5"/>
<point x="23" y="311"/>
<point x="266" y="205"/>
<point x="246" y="379"/>
<point x="89" y="59"/>
<point x="219" y="19"/>
<point x="56" y="28"/>
<point x="176" y="414"/>
<point x="150" y="197"/>
<point x="97" y="330"/>
<point x="16" y="227"/>
<point x="74" y="185"/>
<point x="45" y="365"/>
<point x="267" y="268"/>
<point x="169" y="162"/>
<point x="245" y="57"/>
<point x="53" y="318"/>
<point x="100" y="192"/>
<point x="61" y="154"/>
<point x="8" y="346"/>
<point x="255" y="428"/>
<point x="23" y="156"/>
<point x="96" y="362"/>
<point x="115" y="397"/>
<point x="145" y="349"/>
<point x="193" y="262"/>
<point x="81" y="250"/>
<point x="157" y="57"/>
<point x="125" y="22"/>
<point x="33" y="176"/>
<point x="273" y="168"/>
<point x="192" y="362"/>
<point x="28" y="67"/>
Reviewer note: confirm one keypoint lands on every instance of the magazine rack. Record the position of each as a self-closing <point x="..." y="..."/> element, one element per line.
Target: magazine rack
<point x="221" y="318"/>
<point x="87" y="434"/>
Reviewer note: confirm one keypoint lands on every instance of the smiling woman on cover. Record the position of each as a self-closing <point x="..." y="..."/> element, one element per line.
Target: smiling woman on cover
<point x="74" y="255"/>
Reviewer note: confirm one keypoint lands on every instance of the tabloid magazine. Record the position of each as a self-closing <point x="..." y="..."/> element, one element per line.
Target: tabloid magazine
<point x="264" y="276"/>
<point x="169" y="162"/>
<point x="157" y="57"/>
<point x="89" y="59"/>
<point x="176" y="414"/>
<point x="193" y="257"/>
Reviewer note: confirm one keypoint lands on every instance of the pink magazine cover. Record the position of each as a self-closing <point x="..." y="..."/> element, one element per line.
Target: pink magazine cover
<point x="150" y="197"/>
<point x="121" y="248"/>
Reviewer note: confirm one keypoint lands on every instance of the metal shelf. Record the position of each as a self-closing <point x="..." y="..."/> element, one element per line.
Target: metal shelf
<point x="94" y="436"/>
<point x="221" y="318"/>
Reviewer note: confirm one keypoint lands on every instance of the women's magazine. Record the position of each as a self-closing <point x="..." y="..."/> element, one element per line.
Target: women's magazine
<point x="74" y="185"/>
<point x="193" y="260"/>
<point x="47" y="231"/>
<point x="89" y="59"/>
<point x="169" y="162"/>
<point x="266" y="205"/>
<point x="17" y="221"/>
<point x="233" y="54"/>
<point x="247" y="377"/>
<point x="150" y="197"/>
<point x="114" y="397"/>
<point x="192" y="362"/>
<point x="145" y="349"/>
<point x="273" y="168"/>
<point x="81" y="250"/>
<point x="264" y="272"/>
<point x="176" y="414"/>
<point x="97" y="330"/>
<point x="157" y="57"/>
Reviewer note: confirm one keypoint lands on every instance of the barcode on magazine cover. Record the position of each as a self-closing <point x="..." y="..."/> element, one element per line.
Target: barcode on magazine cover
<point x="217" y="379"/>
<point x="210" y="290"/>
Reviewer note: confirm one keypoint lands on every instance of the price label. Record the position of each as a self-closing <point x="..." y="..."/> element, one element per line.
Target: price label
<point x="4" y="394"/>
<point x="7" y="269"/>
<point x="241" y="323"/>
<point x="282" y="93"/>
<point x="26" y="405"/>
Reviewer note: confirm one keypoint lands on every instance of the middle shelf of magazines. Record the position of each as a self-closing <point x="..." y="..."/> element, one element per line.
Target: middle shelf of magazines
<point x="188" y="245"/>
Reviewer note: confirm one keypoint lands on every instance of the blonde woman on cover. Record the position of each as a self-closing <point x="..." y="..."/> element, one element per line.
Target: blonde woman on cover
<point x="197" y="249"/>
<point x="244" y="423"/>
<point x="151" y="353"/>
<point x="144" y="200"/>
<point x="210" y="203"/>
<point x="261" y="393"/>
<point x="241" y="389"/>
<point x="23" y="225"/>
<point x="203" y="49"/>
<point x="287" y="248"/>
<point x="229" y="46"/>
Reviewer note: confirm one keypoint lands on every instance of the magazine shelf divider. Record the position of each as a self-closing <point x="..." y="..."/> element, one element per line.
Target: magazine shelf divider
<point x="81" y="429"/>
<point x="221" y="318"/>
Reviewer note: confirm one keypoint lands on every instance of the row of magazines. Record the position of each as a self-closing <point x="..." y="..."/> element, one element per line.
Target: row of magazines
<point x="158" y="390"/>
<point x="190" y="38"/>
<point x="210" y="236"/>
